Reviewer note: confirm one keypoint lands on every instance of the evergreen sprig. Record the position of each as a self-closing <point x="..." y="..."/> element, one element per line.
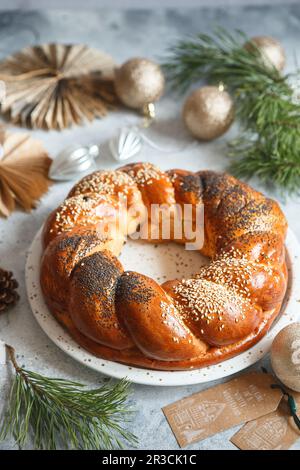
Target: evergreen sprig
<point x="58" y="413"/>
<point x="269" y="142"/>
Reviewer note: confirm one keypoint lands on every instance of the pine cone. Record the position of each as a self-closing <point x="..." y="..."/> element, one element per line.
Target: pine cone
<point x="8" y="293"/>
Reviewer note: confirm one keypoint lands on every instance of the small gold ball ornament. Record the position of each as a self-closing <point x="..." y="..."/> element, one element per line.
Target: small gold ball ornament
<point x="285" y="356"/>
<point x="139" y="82"/>
<point x="270" y="49"/>
<point x="208" y="112"/>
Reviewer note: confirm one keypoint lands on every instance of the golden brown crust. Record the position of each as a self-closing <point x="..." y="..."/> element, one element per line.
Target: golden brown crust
<point x="79" y="211"/>
<point x="229" y="317"/>
<point x="154" y="184"/>
<point x="134" y="357"/>
<point x="141" y="303"/>
<point x="92" y="300"/>
<point x="127" y="317"/>
<point x="117" y="184"/>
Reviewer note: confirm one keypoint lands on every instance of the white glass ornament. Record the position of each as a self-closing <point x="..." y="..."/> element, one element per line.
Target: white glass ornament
<point x="126" y="144"/>
<point x="129" y="143"/>
<point x="73" y="161"/>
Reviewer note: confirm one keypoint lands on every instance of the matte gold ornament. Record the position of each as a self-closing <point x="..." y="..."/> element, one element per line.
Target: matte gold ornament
<point x="208" y="112"/>
<point x="53" y="86"/>
<point x="139" y="82"/>
<point x="271" y="50"/>
<point x="285" y="356"/>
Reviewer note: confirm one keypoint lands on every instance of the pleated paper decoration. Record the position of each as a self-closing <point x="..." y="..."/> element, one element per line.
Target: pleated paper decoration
<point x="54" y="86"/>
<point x="24" y="166"/>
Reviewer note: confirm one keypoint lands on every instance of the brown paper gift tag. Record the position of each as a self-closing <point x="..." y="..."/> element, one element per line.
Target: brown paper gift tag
<point x="204" y="414"/>
<point x="275" y="431"/>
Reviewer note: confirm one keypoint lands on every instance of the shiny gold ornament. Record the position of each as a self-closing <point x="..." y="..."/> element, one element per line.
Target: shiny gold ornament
<point x="139" y="82"/>
<point x="285" y="356"/>
<point x="271" y="50"/>
<point x="208" y="112"/>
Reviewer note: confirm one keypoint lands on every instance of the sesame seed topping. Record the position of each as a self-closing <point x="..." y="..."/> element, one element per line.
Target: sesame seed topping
<point x="104" y="182"/>
<point x="82" y="210"/>
<point x="146" y="173"/>
<point x="207" y="299"/>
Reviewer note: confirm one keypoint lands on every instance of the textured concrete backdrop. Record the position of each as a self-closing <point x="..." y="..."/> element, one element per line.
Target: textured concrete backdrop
<point x="123" y="34"/>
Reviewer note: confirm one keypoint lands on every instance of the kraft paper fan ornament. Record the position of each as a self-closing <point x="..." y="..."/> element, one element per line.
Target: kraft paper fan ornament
<point x="24" y="166"/>
<point x="53" y="86"/>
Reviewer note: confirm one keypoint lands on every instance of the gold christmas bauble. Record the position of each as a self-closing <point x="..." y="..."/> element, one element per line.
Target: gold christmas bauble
<point x="208" y="112"/>
<point x="271" y="50"/>
<point x="139" y="82"/>
<point x="285" y="356"/>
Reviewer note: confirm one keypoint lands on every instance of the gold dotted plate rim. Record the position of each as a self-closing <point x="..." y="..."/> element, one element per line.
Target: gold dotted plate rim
<point x="60" y="337"/>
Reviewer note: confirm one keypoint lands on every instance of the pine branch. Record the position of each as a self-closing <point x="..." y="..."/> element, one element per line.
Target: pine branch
<point x="218" y="58"/>
<point x="250" y="159"/>
<point x="269" y="143"/>
<point x="60" y="413"/>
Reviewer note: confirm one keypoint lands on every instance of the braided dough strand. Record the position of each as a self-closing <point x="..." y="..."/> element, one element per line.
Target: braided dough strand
<point x="184" y="323"/>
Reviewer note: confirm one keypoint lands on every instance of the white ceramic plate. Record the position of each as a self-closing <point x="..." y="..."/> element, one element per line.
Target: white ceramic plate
<point x="161" y="262"/>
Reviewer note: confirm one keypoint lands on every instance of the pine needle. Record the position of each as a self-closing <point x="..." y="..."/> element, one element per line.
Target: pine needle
<point x="269" y="143"/>
<point x="58" y="413"/>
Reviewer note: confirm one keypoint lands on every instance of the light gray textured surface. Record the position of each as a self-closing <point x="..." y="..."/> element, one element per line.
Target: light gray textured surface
<point x="125" y="4"/>
<point x="123" y="34"/>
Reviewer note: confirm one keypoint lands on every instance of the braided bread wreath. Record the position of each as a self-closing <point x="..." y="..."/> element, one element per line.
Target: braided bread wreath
<point x="182" y="324"/>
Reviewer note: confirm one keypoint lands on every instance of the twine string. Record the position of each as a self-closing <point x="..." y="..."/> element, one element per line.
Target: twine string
<point x="291" y="403"/>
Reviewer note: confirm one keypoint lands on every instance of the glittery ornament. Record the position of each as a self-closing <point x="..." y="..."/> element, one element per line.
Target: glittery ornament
<point x="270" y="49"/>
<point x="208" y="112"/>
<point x="139" y="82"/>
<point x="285" y="356"/>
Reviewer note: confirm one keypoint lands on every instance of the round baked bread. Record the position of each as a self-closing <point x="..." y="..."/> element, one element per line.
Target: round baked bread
<point x="184" y="323"/>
